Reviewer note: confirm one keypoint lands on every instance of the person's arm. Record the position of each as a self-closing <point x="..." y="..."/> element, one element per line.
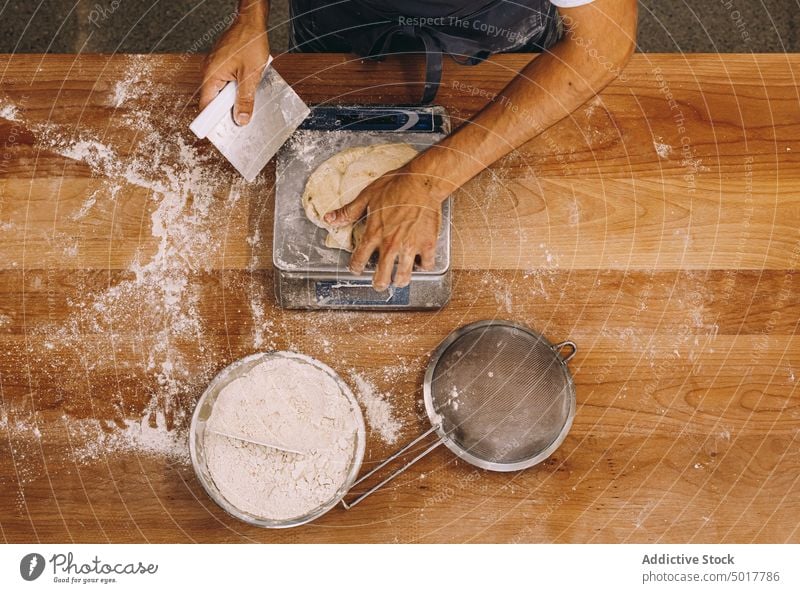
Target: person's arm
<point x="240" y="54"/>
<point x="404" y="206"/>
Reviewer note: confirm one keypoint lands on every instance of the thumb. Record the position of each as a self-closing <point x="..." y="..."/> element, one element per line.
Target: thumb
<point x="347" y="214"/>
<point x="245" y="97"/>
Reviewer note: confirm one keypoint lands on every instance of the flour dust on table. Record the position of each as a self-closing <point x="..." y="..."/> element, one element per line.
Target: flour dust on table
<point x="380" y="415"/>
<point x="152" y="306"/>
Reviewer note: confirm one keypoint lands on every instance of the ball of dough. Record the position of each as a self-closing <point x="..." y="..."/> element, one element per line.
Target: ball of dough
<point x="340" y="179"/>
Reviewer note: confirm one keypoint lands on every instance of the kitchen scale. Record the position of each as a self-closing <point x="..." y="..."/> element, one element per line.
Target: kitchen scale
<point x="309" y="275"/>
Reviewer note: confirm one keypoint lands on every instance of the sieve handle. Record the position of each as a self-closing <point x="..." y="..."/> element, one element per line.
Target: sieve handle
<point x="560" y="346"/>
<point x="387" y="461"/>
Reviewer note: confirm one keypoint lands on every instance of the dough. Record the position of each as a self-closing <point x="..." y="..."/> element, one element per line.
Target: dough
<point x="340" y="179"/>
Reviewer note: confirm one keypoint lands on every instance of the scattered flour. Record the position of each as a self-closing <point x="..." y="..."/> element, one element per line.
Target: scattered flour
<point x="592" y="106"/>
<point x="71" y="250"/>
<point x="160" y="296"/>
<point x="550" y="257"/>
<point x="541" y="281"/>
<point x="21" y="432"/>
<point x="91" y="440"/>
<point x="291" y="403"/>
<point x="148" y="436"/>
<point x="18" y="425"/>
<point x="86" y="207"/>
<point x="153" y="305"/>
<point x="261" y="325"/>
<point x="501" y="289"/>
<point x="95" y="154"/>
<point x="453" y="398"/>
<point x="264" y="331"/>
<point x="9" y="112"/>
<point x="380" y="416"/>
<point x="135" y="82"/>
<point x="662" y="150"/>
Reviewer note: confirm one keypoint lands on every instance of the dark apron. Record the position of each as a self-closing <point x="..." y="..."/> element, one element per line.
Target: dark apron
<point x="359" y="26"/>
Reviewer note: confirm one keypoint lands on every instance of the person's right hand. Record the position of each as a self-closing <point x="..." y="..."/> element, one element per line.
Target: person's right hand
<point x="240" y="54"/>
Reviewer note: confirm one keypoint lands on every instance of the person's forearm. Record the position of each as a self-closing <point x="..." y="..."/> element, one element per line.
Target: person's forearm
<point x="254" y="10"/>
<point x="546" y="91"/>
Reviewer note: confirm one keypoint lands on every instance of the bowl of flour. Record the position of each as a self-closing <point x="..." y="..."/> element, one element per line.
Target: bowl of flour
<point x="277" y="439"/>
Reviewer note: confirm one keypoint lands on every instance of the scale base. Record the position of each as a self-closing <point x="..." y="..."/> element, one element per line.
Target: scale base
<point x="316" y="292"/>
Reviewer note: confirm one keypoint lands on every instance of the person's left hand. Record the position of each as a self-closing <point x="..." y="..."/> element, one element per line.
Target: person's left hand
<point x="403" y="221"/>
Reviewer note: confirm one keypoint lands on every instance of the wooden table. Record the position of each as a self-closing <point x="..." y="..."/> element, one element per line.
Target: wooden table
<point x="657" y="228"/>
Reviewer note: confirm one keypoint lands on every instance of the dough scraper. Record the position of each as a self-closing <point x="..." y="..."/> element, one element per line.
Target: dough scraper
<point x="277" y="113"/>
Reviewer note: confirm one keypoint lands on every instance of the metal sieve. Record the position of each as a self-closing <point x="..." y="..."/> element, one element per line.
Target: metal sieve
<point x="498" y="395"/>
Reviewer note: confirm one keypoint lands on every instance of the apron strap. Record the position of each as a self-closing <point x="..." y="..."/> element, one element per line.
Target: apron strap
<point x="433" y="66"/>
<point x="433" y="55"/>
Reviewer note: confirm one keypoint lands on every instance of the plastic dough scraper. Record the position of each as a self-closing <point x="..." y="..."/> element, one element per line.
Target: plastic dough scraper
<point x="277" y="112"/>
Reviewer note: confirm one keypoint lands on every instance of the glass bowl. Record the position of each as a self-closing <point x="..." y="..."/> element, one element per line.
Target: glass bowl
<point x="202" y="413"/>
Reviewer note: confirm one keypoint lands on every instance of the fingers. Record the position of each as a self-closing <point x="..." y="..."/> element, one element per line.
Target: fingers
<point x="245" y="95"/>
<point x="362" y="253"/>
<point x="383" y="273"/>
<point x="428" y="257"/>
<point x="404" y="268"/>
<point x="347" y="214"/>
<point x="209" y="90"/>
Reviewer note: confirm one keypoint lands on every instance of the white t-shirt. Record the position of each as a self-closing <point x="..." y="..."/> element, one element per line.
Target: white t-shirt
<point x="456" y="7"/>
<point x="570" y="3"/>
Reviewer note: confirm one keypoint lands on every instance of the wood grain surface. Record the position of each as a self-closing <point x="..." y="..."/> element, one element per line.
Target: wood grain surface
<point x="658" y="228"/>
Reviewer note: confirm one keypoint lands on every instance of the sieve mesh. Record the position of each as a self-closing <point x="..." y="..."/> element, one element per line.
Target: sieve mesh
<point x="502" y="393"/>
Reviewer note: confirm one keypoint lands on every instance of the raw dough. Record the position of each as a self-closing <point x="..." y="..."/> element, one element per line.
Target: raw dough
<point x="340" y="179"/>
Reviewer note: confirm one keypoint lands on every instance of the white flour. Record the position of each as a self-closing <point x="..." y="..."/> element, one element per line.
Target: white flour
<point x="135" y="83"/>
<point x="453" y="401"/>
<point x="148" y="436"/>
<point x="9" y="112"/>
<point x="157" y="298"/>
<point x="662" y="150"/>
<point x="293" y="404"/>
<point x="380" y="415"/>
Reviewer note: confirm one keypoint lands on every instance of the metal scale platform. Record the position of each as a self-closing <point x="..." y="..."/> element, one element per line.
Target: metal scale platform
<point x="309" y="275"/>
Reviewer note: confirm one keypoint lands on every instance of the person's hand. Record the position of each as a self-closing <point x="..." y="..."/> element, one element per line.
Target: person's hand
<point x="402" y="222"/>
<point x="240" y="54"/>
